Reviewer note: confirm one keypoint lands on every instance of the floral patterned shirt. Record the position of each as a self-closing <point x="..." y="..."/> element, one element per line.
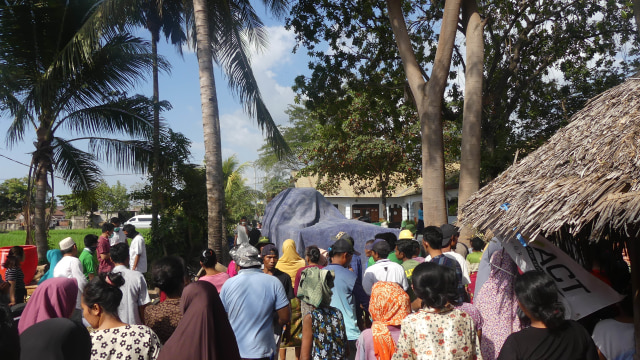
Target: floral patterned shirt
<point x="329" y="334"/>
<point x="130" y="342"/>
<point x="429" y="334"/>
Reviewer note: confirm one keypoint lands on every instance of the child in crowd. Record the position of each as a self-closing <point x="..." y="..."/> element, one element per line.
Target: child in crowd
<point x="14" y="275"/>
<point x="473" y="263"/>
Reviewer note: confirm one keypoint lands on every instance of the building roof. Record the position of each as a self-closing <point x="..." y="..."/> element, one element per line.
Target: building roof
<point x="585" y="178"/>
<point x="347" y="191"/>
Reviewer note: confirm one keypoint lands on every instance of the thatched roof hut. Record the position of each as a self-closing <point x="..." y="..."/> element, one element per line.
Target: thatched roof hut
<point x="585" y="178"/>
<point x="584" y="182"/>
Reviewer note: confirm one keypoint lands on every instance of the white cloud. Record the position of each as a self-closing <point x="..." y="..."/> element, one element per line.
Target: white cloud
<point x="277" y="52"/>
<point x="240" y="134"/>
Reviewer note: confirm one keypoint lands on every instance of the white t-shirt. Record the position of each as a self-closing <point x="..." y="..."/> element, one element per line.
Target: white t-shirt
<point x="384" y="270"/>
<point x="613" y="337"/>
<point x="118" y="237"/>
<point x="134" y="294"/>
<point x="70" y="267"/>
<point x="466" y="280"/>
<point x="138" y="248"/>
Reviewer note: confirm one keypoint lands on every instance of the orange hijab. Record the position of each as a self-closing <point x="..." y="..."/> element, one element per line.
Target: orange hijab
<point x="389" y="305"/>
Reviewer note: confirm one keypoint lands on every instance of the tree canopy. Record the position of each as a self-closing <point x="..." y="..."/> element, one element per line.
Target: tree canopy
<point x="542" y="61"/>
<point x="13" y="197"/>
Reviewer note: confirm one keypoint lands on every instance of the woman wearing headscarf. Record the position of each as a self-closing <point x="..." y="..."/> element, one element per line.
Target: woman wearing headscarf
<point x="204" y="333"/>
<point x="498" y="304"/>
<point x="290" y="261"/>
<point x="53" y="256"/>
<point x="56" y="339"/>
<point x="324" y="336"/>
<point x="55" y="298"/>
<point x="289" y="264"/>
<point x="389" y="305"/>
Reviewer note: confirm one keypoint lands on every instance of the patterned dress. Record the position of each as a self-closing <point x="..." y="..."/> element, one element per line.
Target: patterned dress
<point x="329" y="334"/>
<point x="130" y="342"/>
<point x="163" y="318"/>
<point x="429" y="334"/>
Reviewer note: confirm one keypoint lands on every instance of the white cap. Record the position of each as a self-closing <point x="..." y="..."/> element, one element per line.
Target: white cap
<point x="66" y="243"/>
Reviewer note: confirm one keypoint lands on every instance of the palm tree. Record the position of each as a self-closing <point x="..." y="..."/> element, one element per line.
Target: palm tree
<point x="224" y="30"/>
<point x="158" y="17"/>
<point x="52" y="80"/>
<point x="237" y="194"/>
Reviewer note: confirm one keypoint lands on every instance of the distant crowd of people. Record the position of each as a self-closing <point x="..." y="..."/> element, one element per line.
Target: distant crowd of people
<point x="427" y="297"/>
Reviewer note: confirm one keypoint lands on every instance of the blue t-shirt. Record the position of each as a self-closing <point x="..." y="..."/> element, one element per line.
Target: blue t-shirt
<point x="251" y="299"/>
<point x="346" y="289"/>
<point x="420" y="215"/>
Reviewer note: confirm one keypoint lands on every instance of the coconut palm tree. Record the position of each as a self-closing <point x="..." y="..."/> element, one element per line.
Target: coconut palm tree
<point x="223" y="31"/>
<point x="55" y="82"/>
<point x="159" y="17"/>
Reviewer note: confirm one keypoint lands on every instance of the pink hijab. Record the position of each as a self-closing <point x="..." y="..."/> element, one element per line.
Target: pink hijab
<point x="54" y="298"/>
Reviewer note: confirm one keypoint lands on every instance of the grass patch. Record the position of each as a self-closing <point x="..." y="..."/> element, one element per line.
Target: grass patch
<point x="18" y="237"/>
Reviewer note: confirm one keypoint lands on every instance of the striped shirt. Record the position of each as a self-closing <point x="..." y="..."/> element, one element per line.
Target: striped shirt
<point x="15" y="274"/>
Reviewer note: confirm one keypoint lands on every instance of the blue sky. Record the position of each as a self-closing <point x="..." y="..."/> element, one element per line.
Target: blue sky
<point x="275" y="69"/>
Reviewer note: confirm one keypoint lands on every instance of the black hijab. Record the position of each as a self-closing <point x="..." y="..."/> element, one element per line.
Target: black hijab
<point x="56" y="339"/>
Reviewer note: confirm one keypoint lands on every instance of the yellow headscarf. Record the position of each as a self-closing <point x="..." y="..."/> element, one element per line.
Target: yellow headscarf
<point x="290" y="261"/>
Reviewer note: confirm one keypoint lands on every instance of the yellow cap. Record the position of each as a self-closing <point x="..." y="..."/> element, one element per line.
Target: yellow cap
<point x="405" y="235"/>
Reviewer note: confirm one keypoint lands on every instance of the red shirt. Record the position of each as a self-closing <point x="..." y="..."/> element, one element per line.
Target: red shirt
<point x="103" y="248"/>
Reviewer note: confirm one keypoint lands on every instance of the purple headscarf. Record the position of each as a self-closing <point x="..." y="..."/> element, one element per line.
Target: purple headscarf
<point x="54" y="298"/>
<point x="498" y="304"/>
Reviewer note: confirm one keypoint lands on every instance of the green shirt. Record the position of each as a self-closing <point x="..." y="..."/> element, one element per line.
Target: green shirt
<point x="474" y="257"/>
<point x="392" y="257"/>
<point x="408" y="266"/>
<point x="89" y="263"/>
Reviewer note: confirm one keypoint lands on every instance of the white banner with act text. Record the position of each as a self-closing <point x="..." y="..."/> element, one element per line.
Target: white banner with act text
<point x="582" y="292"/>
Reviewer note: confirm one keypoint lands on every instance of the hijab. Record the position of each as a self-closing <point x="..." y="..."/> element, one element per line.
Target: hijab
<point x="290" y="261"/>
<point x="53" y="256"/>
<point x="389" y="305"/>
<point x="498" y="304"/>
<point x="56" y="339"/>
<point x="204" y="331"/>
<point x="315" y="286"/>
<point x="54" y="298"/>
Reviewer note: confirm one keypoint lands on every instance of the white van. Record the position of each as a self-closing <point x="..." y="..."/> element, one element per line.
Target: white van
<point x="140" y="221"/>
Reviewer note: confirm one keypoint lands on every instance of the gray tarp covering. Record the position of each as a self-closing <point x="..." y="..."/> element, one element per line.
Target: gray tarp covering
<point x="304" y="215"/>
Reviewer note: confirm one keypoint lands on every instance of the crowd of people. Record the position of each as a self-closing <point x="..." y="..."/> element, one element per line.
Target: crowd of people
<point x="426" y="297"/>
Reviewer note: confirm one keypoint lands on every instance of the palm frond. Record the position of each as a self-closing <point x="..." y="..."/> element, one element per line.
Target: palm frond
<point x="21" y="118"/>
<point x="131" y="117"/>
<point x="130" y="155"/>
<point x="115" y="66"/>
<point x="230" y="52"/>
<point x="78" y="168"/>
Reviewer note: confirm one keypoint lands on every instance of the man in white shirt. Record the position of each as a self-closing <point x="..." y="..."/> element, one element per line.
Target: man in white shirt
<point x="70" y="267"/>
<point x="137" y="249"/>
<point x="383" y="269"/>
<point x="118" y="235"/>
<point x="135" y="295"/>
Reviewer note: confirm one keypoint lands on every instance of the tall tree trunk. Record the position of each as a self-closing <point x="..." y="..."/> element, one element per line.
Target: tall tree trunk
<point x="43" y="164"/>
<point x="211" y="125"/>
<point x="428" y="97"/>
<point x="472" y="116"/>
<point x="156" y="133"/>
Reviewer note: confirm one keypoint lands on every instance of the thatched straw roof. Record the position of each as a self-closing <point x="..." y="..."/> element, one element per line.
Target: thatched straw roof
<point x="584" y="179"/>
